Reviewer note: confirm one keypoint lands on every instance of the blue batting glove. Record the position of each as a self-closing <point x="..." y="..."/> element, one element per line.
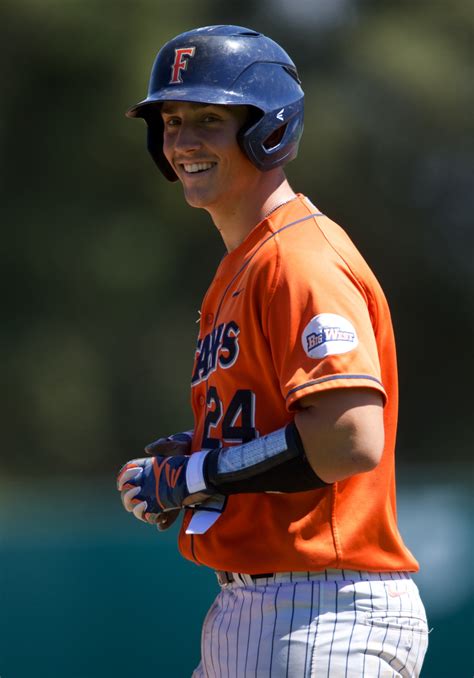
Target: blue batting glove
<point x="178" y="443"/>
<point x="155" y="485"/>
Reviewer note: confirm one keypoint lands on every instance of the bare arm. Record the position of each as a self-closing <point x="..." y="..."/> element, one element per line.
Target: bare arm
<point x="342" y="431"/>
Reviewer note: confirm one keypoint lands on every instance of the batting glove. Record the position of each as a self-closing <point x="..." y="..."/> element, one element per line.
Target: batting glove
<point x="173" y="445"/>
<point x="178" y="443"/>
<point x="150" y="487"/>
<point x="153" y="485"/>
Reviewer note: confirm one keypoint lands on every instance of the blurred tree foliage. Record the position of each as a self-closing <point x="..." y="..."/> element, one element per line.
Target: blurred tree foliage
<point x="104" y="266"/>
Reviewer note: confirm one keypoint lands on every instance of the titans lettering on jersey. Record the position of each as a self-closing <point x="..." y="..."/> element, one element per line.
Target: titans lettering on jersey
<point x="219" y="348"/>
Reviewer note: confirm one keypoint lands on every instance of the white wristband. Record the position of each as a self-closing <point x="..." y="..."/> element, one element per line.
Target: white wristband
<point x="194" y="472"/>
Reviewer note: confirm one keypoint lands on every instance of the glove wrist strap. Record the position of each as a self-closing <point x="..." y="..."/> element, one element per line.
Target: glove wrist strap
<point x="195" y="472"/>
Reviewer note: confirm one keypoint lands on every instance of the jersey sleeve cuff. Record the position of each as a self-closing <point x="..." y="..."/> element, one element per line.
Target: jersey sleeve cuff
<point x="334" y="381"/>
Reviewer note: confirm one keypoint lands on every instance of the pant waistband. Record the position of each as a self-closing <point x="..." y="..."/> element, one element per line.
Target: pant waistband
<point x="241" y="579"/>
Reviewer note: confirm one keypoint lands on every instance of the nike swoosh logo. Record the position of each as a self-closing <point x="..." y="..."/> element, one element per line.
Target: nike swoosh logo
<point x="396" y="594"/>
<point x="237" y="292"/>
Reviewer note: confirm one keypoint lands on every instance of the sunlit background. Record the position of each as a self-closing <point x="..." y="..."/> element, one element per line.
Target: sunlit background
<point x="104" y="268"/>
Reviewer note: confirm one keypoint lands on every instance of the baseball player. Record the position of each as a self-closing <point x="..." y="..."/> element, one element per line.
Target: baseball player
<point x="287" y="477"/>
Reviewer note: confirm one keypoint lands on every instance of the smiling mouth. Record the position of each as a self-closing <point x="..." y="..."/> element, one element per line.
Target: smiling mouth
<point x="197" y="167"/>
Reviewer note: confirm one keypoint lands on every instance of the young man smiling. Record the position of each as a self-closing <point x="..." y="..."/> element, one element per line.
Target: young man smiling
<point x="287" y="478"/>
<point x="231" y="188"/>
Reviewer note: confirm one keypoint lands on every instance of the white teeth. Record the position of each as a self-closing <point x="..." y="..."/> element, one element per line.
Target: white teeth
<point x="198" y="166"/>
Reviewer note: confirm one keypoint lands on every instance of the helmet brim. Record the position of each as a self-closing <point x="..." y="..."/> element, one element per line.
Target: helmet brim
<point x="204" y="95"/>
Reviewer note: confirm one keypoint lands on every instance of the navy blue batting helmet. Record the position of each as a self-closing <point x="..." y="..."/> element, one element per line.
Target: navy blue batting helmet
<point x="229" y="65"/>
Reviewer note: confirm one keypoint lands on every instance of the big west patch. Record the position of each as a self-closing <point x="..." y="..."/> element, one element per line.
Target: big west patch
<point x="328" y="334"/>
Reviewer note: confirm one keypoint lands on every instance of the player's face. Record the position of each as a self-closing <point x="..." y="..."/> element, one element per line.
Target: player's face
<point x="200" y="143"/>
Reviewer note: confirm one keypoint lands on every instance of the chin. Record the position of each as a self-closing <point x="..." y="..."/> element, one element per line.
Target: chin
<point x="194" y="199"/>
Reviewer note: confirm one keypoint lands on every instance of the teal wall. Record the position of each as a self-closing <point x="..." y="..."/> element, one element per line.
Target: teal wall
<point x="88" y="592"/>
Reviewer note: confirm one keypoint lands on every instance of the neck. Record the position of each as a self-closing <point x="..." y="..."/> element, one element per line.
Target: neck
<point x="235" y="221"/>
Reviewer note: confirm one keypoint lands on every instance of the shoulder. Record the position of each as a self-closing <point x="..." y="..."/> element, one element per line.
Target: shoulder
<point x="292" y="234"/>
<point x="304" y="247"/>
<point x="308" y="244"/>
<point x="308" y="233"/>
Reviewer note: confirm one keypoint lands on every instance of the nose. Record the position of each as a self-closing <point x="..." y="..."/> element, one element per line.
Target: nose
<point x="187" y="139"/>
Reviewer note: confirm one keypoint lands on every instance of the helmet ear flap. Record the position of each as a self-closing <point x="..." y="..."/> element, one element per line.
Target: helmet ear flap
<point x="273" y="139"/>
<point x="154" y="144"/>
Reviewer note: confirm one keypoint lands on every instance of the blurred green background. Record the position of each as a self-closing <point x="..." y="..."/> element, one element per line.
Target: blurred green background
<point x="104" y="267"/>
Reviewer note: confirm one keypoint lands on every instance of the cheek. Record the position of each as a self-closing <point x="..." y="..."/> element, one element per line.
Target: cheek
<point x="233" y="155"/>
<point x="242" y="166"/>
<point x="167" y="147"/>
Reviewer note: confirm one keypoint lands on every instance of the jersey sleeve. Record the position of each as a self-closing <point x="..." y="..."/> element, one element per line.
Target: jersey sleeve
<point x="319" y="327"/>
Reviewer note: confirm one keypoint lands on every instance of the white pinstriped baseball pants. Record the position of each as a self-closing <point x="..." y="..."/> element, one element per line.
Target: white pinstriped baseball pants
<point x="332" y="624"/>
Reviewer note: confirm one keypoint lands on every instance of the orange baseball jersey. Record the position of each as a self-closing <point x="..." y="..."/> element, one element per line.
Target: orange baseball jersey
<point x="295" y="310"/>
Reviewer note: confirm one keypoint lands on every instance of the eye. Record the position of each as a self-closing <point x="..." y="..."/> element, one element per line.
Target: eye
<point x="211" y="117"/>
<point x="171" y="122"/>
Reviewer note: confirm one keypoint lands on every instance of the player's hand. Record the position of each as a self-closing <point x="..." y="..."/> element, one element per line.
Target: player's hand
<point x="154" y="485"/>
<point x="165" y="520"/>
<point x="176" y="444"/>
<point x="173" y="445"/>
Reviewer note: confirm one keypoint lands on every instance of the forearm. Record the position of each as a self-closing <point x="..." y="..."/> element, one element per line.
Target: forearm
<point x="274" y="463"/>
<point x="334" y="436"/>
